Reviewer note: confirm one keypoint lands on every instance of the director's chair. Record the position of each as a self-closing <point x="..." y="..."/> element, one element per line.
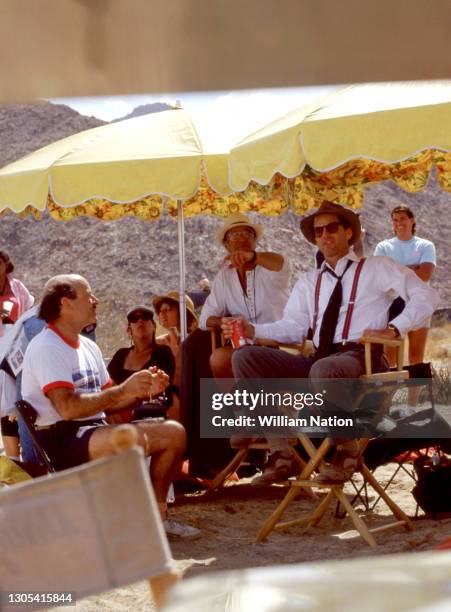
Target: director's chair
<point x="260" y="444"/>
<point x="382" y="383"/>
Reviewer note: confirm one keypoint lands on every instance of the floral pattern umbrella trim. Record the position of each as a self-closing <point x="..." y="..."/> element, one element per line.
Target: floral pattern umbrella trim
<point x="344" y="185"/>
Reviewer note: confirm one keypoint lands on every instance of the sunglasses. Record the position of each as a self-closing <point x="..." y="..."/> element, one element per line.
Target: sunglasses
<point x="331" y="228"/>
<point x="139" y="316"/>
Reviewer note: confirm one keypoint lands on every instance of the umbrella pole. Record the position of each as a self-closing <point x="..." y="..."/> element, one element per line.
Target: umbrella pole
<point x="181" y="241"/>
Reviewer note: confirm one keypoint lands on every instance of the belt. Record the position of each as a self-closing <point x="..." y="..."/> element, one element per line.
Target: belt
<point x="339" y="347"/>
<point x="74" y="424"/>
<point x="43" y="427"/>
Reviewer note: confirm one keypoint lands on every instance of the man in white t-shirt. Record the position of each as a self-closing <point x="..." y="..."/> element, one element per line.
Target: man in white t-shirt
<point x="417" y="254"/>
<point x="251" y="283"/>
<point x="412" y="252"/>
<point x="67" y="383"/>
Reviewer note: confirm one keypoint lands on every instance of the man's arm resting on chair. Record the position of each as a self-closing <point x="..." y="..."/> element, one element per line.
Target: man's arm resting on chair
<point x="71" y="405"/>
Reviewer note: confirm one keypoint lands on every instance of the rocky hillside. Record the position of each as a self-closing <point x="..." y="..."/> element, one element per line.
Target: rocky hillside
<point x="131" y="260"/>
<point x="146" y="109"/>
<point x="28" y="127"/>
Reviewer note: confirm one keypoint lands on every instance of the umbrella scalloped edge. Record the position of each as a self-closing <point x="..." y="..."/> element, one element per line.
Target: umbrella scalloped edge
<point x="343" y="185"/>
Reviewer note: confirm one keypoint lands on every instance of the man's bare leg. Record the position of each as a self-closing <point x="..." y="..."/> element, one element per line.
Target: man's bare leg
<point x="164" y="442"/>
<point x="11" y="446"/>
<point x="417" y="345"/>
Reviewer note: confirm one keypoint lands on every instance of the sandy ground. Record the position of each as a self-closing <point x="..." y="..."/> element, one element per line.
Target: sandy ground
<point x="230" y="518"/>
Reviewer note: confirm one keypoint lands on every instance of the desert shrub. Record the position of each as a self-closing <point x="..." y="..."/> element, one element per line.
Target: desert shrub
<point x="442" y="385"/>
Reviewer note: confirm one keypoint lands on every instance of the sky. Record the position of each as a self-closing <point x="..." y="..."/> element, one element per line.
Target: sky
<point x="258" y="102"/>
<point x="222" y="118"/>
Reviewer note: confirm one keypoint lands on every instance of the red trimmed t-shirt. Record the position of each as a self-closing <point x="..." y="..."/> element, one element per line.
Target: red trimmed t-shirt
<point x="52" y="361"/>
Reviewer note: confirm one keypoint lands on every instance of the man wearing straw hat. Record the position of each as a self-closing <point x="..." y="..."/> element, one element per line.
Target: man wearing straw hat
<point x="321" y="301"/>
<point x="251" y="283"/>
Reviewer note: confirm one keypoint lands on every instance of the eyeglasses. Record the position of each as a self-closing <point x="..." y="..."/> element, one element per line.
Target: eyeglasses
<point x="134" y="317"/>
<point x="331" y="228"/>
<point x="243" y="233"/>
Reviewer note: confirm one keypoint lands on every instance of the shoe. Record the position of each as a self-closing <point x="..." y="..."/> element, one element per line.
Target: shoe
<point x="403" y="412"/>
<point x="175" y="530"/>
<point x="279" y="467"/>
<point x="343" y="465"/>
<point x="241" y="442"/>
<point x="257" y="456"/>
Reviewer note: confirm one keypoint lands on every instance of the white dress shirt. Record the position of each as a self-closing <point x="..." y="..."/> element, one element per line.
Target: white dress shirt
<point x="266" y="295"/>
<point x="381" y="280"/>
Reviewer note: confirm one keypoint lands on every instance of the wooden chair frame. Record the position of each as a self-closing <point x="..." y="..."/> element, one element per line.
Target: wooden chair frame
<point x="217" y="339"/>
<point x="240" y="457"/>
<point x="335" y="491"/>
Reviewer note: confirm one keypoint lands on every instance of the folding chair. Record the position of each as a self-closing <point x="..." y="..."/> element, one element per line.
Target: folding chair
<point x="397" y="450"/>
<point x="243" y="451"/>
<point x="384" y="383"/>
<point x="75" y="531"/>
<point x="28" y="415"/>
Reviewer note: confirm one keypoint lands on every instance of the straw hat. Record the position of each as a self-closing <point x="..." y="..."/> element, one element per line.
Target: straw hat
<point x="174" y="296"/>
<point x="237" y="220"/>
<point x="329" y="208"/>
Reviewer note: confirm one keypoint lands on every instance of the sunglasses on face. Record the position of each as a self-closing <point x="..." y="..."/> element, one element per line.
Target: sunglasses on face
<point x="139" y="316"/>
<point x="331" y="228"/>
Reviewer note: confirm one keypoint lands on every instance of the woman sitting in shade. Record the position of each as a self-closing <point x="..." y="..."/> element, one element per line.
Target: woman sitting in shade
<point x="167" y="308"/>
<point x="143" y="353"/>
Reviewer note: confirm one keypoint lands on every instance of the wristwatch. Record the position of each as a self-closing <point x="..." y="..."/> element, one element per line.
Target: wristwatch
<point x="395" y="329"/>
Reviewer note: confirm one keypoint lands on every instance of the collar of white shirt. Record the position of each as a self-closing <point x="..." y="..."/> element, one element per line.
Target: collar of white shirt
<point x="341" y="263"/>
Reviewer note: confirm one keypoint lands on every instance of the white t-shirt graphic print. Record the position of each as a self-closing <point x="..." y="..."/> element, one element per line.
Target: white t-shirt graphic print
<point x="51" y="362"/>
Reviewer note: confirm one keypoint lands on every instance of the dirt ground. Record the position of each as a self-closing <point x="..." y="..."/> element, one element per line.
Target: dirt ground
<point x="230" y="519"/>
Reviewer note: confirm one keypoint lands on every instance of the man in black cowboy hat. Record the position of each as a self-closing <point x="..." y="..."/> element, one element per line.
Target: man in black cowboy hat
<point x="320" y="301"/>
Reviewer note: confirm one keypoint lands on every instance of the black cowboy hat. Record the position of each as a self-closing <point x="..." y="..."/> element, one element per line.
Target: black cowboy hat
<point x="329" y="208"/>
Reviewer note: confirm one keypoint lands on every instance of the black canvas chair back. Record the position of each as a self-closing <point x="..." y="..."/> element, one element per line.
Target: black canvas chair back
<point x="28" y="415"/>
<point x="418" y="432"/>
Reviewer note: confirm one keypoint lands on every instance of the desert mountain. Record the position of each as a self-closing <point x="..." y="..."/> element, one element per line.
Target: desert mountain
<point x="145" y="109"/>
<point x="28" y="127"/>
<point x="129" y="261"/>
